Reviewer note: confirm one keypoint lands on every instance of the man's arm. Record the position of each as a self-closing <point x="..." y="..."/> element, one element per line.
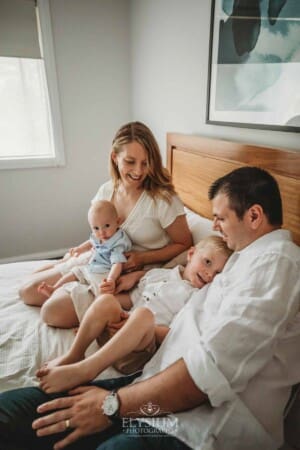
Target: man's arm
<point x="172" y="390"/>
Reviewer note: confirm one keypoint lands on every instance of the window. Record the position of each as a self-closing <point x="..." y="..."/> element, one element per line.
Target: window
<point x="30" y="125"/>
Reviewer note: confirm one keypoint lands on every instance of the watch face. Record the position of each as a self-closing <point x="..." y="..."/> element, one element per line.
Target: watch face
<point x="110" y="405"/>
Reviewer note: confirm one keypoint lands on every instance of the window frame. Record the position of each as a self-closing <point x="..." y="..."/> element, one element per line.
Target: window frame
<point x="47" y="48"/>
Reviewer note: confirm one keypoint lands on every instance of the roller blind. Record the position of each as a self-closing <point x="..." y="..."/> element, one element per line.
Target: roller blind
<point x="18" y="29"/>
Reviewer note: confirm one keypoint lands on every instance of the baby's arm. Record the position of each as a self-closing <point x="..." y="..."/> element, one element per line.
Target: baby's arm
<point x="108" y="285"/>
<point x="84" y="247"/>
<point x="161" y="332"/>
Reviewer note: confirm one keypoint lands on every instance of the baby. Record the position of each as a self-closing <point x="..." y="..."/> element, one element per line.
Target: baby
<point x="159" y="296"/>
<point x="108" y="243"/>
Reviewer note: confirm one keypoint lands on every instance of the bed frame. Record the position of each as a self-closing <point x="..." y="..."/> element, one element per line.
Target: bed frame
<point x="195" y="162"/>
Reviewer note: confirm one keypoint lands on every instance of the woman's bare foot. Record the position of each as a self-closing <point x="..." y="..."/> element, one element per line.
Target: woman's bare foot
<point x="63" y="378"/>
<point x="45" y="289"/>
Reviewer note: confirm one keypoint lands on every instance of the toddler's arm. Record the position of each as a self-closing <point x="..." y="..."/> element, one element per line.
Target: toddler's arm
<point x="161" y="332"/>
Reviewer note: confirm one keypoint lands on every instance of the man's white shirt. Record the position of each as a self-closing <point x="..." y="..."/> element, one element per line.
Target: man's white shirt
<point x="240" y="340"/>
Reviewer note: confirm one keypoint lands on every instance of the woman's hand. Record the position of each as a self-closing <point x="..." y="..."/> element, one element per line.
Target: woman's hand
<point x="82" y="410"/>
<point x="134" y="261"/>
<point x="128" y="280"/>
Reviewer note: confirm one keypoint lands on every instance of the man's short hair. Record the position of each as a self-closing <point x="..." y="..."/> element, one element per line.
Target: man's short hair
<point x="248" y="186"/>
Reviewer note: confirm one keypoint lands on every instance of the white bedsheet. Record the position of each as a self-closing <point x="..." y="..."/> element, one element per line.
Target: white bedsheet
<point x="25" y="341"/>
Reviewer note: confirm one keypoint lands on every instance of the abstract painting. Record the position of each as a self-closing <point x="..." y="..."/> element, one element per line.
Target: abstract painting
<point x="254" y="67"/>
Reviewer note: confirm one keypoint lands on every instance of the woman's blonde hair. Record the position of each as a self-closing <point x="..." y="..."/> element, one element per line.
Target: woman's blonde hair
<point x="216" y="242"/>
<point x="158" y="181"/>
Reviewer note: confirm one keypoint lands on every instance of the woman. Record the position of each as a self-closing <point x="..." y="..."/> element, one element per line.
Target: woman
<point x="150" y="212"/>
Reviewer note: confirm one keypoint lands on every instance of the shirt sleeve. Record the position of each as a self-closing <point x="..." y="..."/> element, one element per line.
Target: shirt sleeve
<point x="117" y="253"/>
<point x="104" y="192"/>
<point x="167" y="212"/>
<point x="242" y="339"/>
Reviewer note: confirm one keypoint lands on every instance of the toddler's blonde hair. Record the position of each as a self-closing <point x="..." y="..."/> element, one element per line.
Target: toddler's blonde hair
<point x="216" y="242"/>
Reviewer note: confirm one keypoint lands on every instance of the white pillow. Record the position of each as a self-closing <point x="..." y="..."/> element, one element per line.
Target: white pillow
<point x="200" y="228"/>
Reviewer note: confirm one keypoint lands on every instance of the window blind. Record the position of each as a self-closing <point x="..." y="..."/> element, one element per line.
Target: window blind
<point x="19" y="29"/>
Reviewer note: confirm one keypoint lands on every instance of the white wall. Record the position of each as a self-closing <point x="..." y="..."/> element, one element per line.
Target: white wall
<point x="116" y="60"/>
<point x="45" y="209"/>
<point x="170" y="45"/>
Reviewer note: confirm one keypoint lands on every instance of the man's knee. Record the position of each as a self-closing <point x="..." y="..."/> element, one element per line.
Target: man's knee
<point x="18" y="410"/>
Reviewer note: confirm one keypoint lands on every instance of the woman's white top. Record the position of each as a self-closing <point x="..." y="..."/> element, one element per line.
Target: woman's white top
<point x="147" y="221"/>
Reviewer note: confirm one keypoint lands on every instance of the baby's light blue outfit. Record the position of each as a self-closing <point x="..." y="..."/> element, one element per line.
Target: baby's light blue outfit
<point x="109" y="252"/>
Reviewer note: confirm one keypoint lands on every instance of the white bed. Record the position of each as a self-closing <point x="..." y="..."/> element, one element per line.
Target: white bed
<point x="25" y="342"/>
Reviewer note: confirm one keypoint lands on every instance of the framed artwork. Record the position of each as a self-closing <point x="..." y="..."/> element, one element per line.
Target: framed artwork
<point x="254" y="64"/>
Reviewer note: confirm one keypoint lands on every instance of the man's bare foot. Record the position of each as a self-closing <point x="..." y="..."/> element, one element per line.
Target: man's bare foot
<point x="45" y="289"/>
<point x="63" y="378"/>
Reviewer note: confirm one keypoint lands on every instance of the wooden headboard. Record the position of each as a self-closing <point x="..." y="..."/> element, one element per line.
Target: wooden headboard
<point x="195" y="162"/>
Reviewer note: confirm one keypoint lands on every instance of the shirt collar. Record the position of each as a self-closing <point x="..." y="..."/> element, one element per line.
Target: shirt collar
<point x="266" y="239"/>
<point x="259" y="245"/>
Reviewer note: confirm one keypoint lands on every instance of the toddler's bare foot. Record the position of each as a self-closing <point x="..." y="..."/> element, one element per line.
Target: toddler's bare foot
<point x="45" y="289"/>
<point x="62" y="378"/>
<point x="64" y="360"/>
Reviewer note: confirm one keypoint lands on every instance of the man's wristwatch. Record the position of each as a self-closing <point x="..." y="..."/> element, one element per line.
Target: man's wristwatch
<point x="111" y="406"/>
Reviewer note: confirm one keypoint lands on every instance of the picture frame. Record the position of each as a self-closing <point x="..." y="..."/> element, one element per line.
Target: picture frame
<point x="254" y="64"/>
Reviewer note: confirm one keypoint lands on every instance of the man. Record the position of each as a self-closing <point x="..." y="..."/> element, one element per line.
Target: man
<point x="224" y="370"/>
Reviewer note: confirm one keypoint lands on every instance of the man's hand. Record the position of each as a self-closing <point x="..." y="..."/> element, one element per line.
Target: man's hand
<point x="82" y="411"/>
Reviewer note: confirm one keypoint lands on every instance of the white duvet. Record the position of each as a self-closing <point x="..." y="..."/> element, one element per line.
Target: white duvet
<point x="25" y="341"/>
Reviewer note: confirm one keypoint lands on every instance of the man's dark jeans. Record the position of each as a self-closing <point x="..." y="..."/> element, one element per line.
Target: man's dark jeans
<point x="18" y="410"/>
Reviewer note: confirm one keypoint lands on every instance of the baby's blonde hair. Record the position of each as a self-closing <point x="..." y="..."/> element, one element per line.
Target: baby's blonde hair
<point x="216" y="242"/>
<point x="99" y="206"/>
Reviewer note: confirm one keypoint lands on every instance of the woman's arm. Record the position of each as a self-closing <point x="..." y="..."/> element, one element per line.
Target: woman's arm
<point x="128" y="280"/>
<point x="181" y="239"/>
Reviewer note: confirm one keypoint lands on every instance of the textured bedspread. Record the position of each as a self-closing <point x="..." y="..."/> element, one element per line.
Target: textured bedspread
<point x="25" y="341"/>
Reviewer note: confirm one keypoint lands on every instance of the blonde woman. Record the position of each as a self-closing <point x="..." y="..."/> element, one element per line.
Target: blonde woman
<point x="150" y="213"/>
